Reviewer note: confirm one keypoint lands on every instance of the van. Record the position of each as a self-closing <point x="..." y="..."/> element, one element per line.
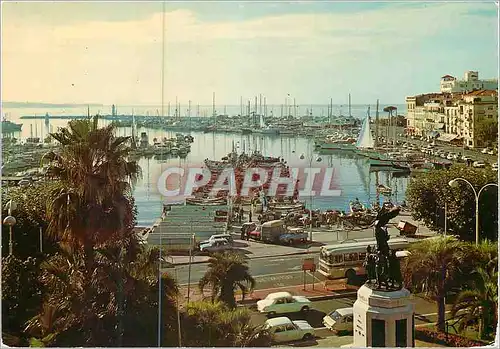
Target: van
<point x="340" y="320"/>
<point x="272" y="230"/>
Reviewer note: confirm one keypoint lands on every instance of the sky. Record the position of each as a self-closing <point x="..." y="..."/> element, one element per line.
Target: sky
<point x="111" y="52"/>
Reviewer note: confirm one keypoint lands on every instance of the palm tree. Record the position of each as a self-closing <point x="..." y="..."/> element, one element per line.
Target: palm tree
<point x="434" y="267"/>
<point x="94" y="205"/>
<point x="226" y="273"/>
<point x="480" y="303"/>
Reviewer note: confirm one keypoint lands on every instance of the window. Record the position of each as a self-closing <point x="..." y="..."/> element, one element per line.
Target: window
<point x="350" y="257"/>
<point x="401" y="333"/>
<point x="290" y="300"/>
<point x="336" y="258"/>
<point x="279" y="329"/>
<point x="378" y="333"/>
<point x="280" y="301"/>
<point x="290" y="327"/>
<point x="362" y="256"/>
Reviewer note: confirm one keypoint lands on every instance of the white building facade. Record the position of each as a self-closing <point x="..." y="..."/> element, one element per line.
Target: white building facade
<point x="450" y="84"/>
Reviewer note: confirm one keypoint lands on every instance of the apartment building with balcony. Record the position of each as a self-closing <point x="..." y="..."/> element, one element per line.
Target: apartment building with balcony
<point x="455" y="111"/>
<point x="453" y="117"/>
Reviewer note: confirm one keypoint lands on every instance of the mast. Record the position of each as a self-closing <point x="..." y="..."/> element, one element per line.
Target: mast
<point x="198" y="110"/>
<point x="294" y="108"/>
<point x="350" y="105"/>
<point x="376" y="127"/>
<point x="265" y="107"/>
<point x="248" y="109"/>
<point x="260" y="104"/>
<point x="168" y="110"/>
<point x="255" y="112"/>
<point x="213" y="105"/>
<point x="176" y="104"/>
<point x="282" y="110"/>
<point x="241" y="105"/>
<point x="189" y="114"/>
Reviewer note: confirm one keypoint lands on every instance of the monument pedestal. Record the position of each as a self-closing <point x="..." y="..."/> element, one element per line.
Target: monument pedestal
<point x="383" y="318"/>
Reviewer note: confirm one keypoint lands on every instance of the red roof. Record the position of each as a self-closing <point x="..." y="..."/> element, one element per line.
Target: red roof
<point x="482" y="93"/>
<point x="447" y="76"/>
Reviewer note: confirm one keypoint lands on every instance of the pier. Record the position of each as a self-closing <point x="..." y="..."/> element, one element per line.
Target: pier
<point x="174" y="231"/>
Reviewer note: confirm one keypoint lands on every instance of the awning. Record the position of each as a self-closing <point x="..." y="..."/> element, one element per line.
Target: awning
<point x="447" y="137"/>
<point x="439" y="126"/>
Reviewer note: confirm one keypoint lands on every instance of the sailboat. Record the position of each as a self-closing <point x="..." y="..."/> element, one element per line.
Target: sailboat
<point x="365" y="147"/>
<point x="266" y="129"/>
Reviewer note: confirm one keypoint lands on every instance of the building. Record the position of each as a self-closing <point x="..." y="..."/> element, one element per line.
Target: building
<point x="452" y="117"/>
<point x="450" y="84"/>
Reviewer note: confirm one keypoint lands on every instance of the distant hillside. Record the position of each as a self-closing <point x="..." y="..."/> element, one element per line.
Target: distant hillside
<point x="46" y="105"/>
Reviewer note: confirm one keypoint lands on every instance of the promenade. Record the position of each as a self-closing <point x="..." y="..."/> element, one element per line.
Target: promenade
<point x="321" y="236"/>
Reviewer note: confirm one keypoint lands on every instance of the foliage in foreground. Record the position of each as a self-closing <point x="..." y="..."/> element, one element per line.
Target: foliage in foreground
<point x="442" y="265"/>
<point x="428" y="193"/>
<point x="226" y="273"/>
<point x="207" y="324"/>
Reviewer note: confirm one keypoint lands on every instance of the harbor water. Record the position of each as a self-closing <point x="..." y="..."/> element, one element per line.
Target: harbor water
<point x="351" y="172"/>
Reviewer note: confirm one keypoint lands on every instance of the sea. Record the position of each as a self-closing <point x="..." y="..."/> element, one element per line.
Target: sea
<point x="351" y="173"/>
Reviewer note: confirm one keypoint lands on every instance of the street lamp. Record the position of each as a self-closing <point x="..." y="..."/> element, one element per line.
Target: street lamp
<point x="454" y="183"/>
<point x="318" y="159"/>
<point x="10" y="221"/>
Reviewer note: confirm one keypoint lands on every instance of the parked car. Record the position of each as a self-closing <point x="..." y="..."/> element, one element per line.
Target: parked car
<point x="283" y="302"/>
<point x="485" y="151"/>
<point x="495" y="166"/>
<point x="479" y="164"/>
<point x="450" y="156"/>
<point x="444" y="155"/>
<point x="285" y="330"/>
<point x="340" y="320"/>
<point x="214" y="237"/>
<point x="491" y="152"/>
<point x="216" y="245"/>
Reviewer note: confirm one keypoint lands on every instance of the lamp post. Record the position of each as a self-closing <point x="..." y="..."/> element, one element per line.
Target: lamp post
<point x="311" y="197"/>
<point x="10" y="221"/>
<point x="454" y="183"/>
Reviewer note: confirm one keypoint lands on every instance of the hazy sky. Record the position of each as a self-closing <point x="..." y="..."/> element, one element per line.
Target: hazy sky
<point x="112" y="52"/>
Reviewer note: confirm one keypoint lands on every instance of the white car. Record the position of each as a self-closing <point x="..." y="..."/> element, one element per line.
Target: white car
<point x="478" y="164"/>
<point x="339" y="320"/>
<point x="283" y="302"/>
<point x="450" y="156"/>
<point x="485" y="151"/>
<point x="491" y="152"/>
<point x="495" y="166"/>
<point x="216" y="245"/>
<point x="285" y="330"/>
<point x="214" y="237"/>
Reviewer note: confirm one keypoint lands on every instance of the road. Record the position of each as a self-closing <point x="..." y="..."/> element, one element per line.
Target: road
<point x="269" y="272"/>
<point x="474" y="154"/>
<point x="425" y="312"/>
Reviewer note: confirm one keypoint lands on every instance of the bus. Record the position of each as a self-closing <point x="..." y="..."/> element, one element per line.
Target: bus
<point x="345" y="259"/>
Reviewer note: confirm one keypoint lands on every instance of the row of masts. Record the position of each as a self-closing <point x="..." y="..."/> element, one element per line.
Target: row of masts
<point x="260" y="108"/>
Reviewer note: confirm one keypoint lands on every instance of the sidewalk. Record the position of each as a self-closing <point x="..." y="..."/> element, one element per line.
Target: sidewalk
<point x="334" y="289"/>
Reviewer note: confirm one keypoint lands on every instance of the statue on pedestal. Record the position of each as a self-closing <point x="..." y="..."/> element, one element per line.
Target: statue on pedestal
<point x="382" y="264"/>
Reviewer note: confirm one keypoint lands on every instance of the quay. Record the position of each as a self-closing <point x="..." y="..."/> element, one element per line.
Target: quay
<point x="175" y="229"/>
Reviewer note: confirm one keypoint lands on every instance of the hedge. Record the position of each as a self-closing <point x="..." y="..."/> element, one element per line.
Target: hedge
<point x="454" y="340"/>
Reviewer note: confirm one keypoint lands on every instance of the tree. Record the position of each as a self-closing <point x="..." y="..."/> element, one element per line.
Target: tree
<point x="102" y="286"/>
<point x="434" y="267"/>
<point x="428" y="193"/>
<point x="21" y="297"/>
<point x="70" y="317"/>
<point x="479" y="303"/>
<point x="30" y="216"/>
<point x="226" y="273"/>
<point x="218" y="326"/>
<point x="486" y="131"/>
<point x="94" y="204"/>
